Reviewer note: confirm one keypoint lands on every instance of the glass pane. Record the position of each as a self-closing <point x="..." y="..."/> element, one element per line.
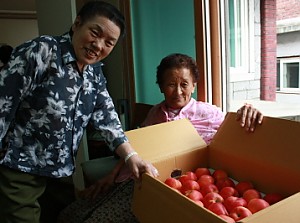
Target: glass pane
<point x="231" y="33"/>
<point x="278" y="76"/>
<point x="291" y="75"/>
<point x="235" y="32"/>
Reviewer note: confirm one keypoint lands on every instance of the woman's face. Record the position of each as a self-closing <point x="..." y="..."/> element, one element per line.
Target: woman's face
<point x="177" y="87"/>
<point x="94" y="39"/>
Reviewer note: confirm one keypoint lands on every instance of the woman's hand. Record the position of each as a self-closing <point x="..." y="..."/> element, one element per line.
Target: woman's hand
<point x="249" y="117"/>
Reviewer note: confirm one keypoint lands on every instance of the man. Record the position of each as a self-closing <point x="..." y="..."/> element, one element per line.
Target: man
<point x="50" y="90"/>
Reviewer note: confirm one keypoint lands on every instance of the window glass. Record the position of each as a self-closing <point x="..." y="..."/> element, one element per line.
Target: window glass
<point x="238" y="33"/>
<point x="278" y="76"/>
<point x="288" y="74"/>
<point x="291" y="75"/>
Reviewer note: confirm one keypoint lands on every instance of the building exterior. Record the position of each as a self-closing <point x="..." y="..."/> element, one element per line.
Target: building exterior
<point x="288" y="51"/>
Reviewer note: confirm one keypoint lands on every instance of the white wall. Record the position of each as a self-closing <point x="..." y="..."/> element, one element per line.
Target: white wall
<point x="288" y="44"/>
<point x="55" y="17"/>
<point x="16" y="31"/>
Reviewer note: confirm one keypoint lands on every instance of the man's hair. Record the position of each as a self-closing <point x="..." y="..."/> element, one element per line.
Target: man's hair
<point x="100" y="8"/>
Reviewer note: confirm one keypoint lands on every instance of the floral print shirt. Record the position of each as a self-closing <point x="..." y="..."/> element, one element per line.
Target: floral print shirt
<point x="206" y="118"/>
<point x="45" y="105"/>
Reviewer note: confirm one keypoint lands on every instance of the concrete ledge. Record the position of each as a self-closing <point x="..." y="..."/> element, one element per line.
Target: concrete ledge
<point x="288" y="25"/>
<point x="271" y="108"/>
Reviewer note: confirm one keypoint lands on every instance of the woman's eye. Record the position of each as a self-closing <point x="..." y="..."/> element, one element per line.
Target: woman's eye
<point x="185" y="85"/>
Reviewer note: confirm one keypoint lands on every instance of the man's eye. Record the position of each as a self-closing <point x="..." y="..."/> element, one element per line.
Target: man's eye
<point x="94" y="34"/>
<point x="109" y="43"/>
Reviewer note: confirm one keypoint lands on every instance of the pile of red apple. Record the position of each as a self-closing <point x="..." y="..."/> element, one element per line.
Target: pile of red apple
<point x="217" y="192"/>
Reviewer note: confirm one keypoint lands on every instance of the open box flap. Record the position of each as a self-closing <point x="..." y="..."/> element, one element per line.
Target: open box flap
<point x="158" y="142"/>
<point x="270" y="155"/>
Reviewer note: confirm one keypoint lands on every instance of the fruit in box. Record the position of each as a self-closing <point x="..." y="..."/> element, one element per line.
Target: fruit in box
<point x="257" y="204"/>
<point x="240" y="212"/>
<point x="251" y="194"/>
<point x="242" y="186"/>
<point x="217" y="192"/>
<point x="228" y="191"/>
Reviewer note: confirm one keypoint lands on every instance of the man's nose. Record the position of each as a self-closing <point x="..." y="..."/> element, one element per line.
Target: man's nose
<point x="98" y="44"/>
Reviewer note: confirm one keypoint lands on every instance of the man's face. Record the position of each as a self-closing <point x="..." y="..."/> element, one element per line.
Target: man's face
<point x="94" y="39"/>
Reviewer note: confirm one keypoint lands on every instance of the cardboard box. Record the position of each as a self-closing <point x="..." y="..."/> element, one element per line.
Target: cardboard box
<point x="269" y="158"/>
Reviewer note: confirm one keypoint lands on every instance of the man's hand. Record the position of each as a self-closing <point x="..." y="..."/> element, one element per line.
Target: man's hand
<point x="136" y="165"/>
<point x="139" y="166"/>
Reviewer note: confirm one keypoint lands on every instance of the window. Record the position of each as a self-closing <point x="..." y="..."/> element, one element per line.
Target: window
<point x="288" y="75"/>
<point x="241" y="38"/>
<point x="238" y="35"/>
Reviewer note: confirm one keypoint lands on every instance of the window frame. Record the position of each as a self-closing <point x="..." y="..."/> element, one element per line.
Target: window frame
<point x="247" y="69"/>
<point x="283" y="61"/>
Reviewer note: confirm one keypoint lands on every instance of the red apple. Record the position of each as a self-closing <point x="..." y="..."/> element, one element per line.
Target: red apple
<point x="183" y="178"/>
<point x="202" y="171"/>
<point x="212" y="197"/>
<point x="227" y="218"/>
<point x="195" y="195"/>
<point x="218" y="208"/>
<point x="191" y="175"/>
<point x="250" y="194"/>
<point x="239" y="213"/>
<point x="174" y="183"/>
<point x="220" y="175"/>
<point x="273" y="198"/>
<point x="257" y="204"/>
<point x="231" y="202"/>
<point x="208" y="188"/>
<point x="205" y="180"/>
<point x="225" y="183"/>
<point x="228" y="191"/>
<point x="189" y="185"/>
<point x="243" y="186"/>
<point x="200" y="203"/>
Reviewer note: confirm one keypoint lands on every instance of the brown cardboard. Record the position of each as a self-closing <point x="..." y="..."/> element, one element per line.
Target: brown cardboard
<point x="265" y="157"/>
<point x="163" y="144"/>
<point x="270" y="155"/>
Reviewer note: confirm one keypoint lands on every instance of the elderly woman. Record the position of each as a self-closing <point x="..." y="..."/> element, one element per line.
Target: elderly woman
<point x="177" y="75"/>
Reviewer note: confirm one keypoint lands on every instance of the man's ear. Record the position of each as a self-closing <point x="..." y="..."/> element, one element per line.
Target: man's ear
<point x="76" y="23"/>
